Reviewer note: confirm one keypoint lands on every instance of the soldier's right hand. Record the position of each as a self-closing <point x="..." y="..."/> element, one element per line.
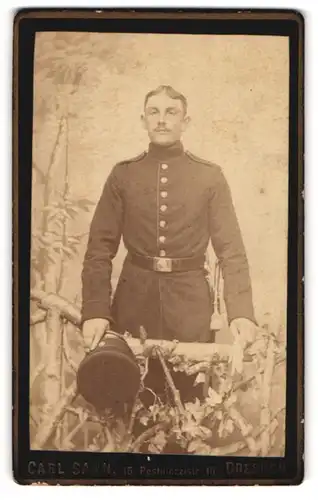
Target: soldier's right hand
<point x="93" y="331"/>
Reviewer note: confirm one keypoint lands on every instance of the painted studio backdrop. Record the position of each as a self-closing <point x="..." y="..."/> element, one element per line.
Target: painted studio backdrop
<point x="88" y="97"/>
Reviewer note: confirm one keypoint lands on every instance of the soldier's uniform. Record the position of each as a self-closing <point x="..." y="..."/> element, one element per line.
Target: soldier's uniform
<point x="167" y="204"/>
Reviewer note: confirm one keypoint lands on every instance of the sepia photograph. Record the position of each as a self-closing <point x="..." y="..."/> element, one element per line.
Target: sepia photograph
<point x="158" y="271"/>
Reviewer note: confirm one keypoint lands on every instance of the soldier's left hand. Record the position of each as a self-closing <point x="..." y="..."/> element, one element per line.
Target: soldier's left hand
<point x="244" y="331"/>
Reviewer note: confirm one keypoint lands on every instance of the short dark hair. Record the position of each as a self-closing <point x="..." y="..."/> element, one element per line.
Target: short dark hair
<point x="170" y="92"/>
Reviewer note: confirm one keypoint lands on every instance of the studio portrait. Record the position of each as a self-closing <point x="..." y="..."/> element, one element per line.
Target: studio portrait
<point x="159" y="243"/>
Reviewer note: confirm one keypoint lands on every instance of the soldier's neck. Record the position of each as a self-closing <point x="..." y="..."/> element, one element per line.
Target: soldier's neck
<point x="162" y="152"/>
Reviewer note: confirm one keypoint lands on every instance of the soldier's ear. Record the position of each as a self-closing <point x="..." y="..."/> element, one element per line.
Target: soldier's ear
<point x="186" y="122"/>
<point x="143" y="121"/>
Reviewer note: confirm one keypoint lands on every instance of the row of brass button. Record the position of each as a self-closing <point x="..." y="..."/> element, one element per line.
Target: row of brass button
<point x="163" y="209"/>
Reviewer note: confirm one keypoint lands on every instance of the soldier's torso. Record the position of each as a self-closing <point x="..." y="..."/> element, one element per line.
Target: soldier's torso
<point x="166" y="204"/>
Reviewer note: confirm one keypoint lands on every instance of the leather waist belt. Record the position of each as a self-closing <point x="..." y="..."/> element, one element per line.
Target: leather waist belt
<point x="166" y="264"/>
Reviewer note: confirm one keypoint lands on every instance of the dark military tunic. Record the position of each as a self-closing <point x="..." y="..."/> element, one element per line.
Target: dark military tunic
<point x="164" y="203"/>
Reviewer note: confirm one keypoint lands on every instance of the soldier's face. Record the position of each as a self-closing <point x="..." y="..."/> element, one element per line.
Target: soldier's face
<point x="164" y="119"/>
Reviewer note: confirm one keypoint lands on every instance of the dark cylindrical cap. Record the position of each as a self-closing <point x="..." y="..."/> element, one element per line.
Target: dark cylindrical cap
<point x="109" y="376"/>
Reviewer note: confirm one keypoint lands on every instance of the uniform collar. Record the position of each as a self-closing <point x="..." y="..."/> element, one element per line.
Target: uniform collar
<point x="165" y="153"/>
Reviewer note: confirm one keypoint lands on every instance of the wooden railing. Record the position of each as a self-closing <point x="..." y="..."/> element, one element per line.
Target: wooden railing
<point x="59" y="418"/>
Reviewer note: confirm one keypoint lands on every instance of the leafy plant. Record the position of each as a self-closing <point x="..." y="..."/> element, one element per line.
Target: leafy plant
<point x="192" y="426"/>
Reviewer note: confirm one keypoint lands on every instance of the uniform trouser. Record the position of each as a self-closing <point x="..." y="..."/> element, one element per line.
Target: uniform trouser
<point x="167" y="305"/>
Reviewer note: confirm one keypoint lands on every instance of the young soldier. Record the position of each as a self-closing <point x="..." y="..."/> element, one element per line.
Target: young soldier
<point x="167" y="205"/>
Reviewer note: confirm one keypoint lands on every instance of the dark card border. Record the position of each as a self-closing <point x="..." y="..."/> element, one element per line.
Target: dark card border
<point x="287" y="470"/>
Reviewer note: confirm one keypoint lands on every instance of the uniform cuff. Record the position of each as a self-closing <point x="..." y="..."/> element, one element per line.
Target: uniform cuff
<point x="237" y="309"/>
<point x="94" y="309"/>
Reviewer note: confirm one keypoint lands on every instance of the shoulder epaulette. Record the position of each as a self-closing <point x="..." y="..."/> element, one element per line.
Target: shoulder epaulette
<point x="135" y="158"/>
<point x="201" y="160"/>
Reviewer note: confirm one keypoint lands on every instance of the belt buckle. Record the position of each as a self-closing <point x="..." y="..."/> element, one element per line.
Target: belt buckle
<point x="163" y="264"/>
